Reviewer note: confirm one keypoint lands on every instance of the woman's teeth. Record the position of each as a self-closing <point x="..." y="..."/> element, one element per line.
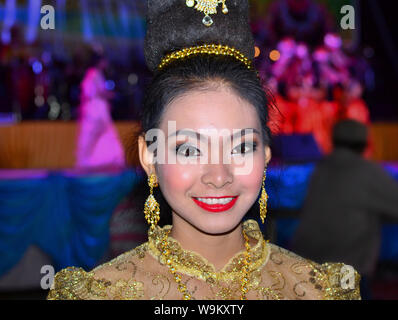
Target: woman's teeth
<point x="215" y="201"/>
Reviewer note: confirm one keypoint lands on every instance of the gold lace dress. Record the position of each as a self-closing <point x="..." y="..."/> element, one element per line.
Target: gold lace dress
<point x="274" y="274"/>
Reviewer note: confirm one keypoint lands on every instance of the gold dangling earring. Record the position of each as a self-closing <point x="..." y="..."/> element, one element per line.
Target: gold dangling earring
<point x="263" y="200"/>
<point x="151" y="209"/>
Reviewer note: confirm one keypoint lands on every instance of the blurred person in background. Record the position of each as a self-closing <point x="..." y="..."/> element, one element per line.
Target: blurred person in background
<point x="347" y="196"/>
<point x="98" y="141"/>
<point x="354" y="107"/>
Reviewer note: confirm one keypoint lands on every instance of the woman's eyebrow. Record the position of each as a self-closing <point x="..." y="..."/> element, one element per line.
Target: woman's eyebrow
<point x="244" y="132"/>
<point x="186" y="132"/>
<point x="199" y="136"/>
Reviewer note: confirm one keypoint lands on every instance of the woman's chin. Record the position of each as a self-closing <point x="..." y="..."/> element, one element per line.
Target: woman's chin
<point x="217" y="226"/>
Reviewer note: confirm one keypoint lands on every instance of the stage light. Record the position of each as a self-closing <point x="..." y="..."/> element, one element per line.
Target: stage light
<point x="39" y="101"/>
<point x="132" y="79"/>
<point x="6" y="36"/>
<point x="274" y="55"/>
<point x="257" y="51"/>
<point x="109" y="85"/>
<point x="37" y="67"/>
<point x="55" y="110"/>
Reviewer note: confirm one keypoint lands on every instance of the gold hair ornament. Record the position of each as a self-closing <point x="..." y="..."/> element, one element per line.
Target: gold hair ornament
<point x="205" y="49"/>
<point x="207" y="7"/>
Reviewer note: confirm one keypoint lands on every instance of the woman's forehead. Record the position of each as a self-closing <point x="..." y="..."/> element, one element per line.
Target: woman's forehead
<point x="211" y="109"/>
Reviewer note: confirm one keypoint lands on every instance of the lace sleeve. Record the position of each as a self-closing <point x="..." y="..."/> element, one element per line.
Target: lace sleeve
<point x="76" y="284"/>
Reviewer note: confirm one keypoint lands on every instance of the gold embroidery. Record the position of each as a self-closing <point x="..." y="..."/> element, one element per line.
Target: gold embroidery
<point x="139" y="274"/>
<point x="192" y="264"/>
<point x="302" y="294"/>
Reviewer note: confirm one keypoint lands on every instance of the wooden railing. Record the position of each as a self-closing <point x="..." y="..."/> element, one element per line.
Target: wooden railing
<point x="52" y="145"/>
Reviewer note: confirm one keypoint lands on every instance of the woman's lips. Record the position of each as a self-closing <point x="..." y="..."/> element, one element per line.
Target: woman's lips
<point x="217" y="207"/>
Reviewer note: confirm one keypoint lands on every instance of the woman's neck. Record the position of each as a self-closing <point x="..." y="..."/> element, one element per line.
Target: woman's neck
<point x="217" y="249"/>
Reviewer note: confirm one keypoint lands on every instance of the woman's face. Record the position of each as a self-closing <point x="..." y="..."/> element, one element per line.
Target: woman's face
<point x="211" y="195"/>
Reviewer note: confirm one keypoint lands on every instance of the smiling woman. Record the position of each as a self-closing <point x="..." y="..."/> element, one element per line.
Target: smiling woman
<point x="217" y="107"/>
<point x="204" y="177"/>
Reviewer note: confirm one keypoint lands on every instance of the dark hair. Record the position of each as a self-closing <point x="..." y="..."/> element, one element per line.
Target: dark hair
<point x="203" y="72"/>
<point x="350" y="134"/>
<point x="357" y="147"/>
<point x="173" y="26"/>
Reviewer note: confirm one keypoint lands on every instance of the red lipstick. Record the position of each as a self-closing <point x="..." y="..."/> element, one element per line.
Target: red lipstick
<point x="218" y="207"/>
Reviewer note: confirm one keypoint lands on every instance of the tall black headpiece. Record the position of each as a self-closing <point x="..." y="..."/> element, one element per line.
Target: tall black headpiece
<point x="180" y="28"/>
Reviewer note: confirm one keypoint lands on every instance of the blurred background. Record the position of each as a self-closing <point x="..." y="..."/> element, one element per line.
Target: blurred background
<point x="72" y="93"/>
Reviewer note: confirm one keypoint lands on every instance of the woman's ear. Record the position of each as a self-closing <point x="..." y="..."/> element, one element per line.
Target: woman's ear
<point x="267" y="151"/>
<point x="146" y="157"/>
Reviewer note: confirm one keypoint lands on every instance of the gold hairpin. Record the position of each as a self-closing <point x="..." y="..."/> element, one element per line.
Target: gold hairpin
<point x="207" y="7"/>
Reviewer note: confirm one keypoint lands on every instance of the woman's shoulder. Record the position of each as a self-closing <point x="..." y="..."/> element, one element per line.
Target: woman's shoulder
<point x="116" y="279"/>
<point x="308" y="279"/>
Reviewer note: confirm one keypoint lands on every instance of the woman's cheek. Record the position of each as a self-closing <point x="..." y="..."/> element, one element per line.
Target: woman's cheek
<point x="253" y="179"/>
<point x="177" y="178"/>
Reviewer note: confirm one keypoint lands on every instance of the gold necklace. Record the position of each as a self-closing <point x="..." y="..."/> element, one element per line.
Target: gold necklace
<point x="165" y="251"/>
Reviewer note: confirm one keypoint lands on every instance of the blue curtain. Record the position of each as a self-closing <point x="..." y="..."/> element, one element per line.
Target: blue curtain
<point x="287" y="185"/>
<point x="66" y="216"/>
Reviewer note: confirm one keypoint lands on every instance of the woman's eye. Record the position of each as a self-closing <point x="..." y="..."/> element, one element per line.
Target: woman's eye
<point x="187" y="151"/>
<point x="244" y="148"/>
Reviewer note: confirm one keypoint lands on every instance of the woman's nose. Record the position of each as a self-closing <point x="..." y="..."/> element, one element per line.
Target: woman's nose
<point x="217" y="175"/>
